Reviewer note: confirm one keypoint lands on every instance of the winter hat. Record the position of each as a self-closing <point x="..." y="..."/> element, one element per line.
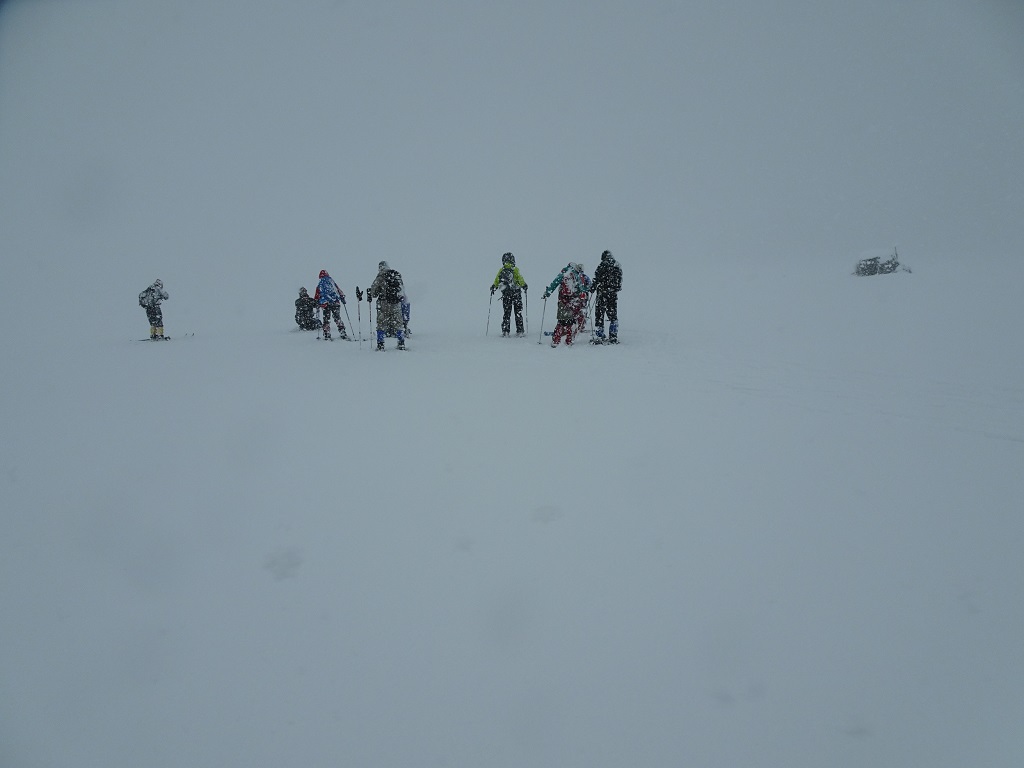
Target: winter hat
<point x="382" y="266"/>
<point x="606" y="256"/>
<point x="158" y="283"/>
<point x="509" y="259"/>
<point x="303" y="292"/>
<point x="323" y="273"/>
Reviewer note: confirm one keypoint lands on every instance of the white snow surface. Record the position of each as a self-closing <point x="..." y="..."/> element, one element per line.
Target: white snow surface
<point x="779" y="525"/>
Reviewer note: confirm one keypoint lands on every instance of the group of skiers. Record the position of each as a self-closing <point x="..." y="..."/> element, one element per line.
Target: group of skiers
<point x="572" y="285"/>
<point x="574" y="288"/>
<point x="393" y="308"/>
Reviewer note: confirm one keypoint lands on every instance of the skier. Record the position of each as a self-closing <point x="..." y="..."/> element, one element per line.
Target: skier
<point x="305" y="306"/>
<point x="390" y="293"/>
<point x="607" y="284"/>
<point x="512" y="285"/>
<point x="150" y="300"/>
<point x="330" y="298"/>
<point x="573" y="286"/>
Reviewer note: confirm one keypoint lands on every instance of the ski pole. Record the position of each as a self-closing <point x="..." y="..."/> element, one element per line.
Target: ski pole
<point x="590" y="315"/>
<point x="489" y="302"/>
<point x="319" y="323"/>
<point x="359" y="315"/>
<point x="526" y="308"/>
<point x="540" y="337"/>
<point x="347" y="315"/>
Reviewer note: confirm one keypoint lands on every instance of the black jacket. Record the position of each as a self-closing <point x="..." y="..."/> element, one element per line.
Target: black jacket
<point x="608" y="277"/>
<point x="305" y="307"/>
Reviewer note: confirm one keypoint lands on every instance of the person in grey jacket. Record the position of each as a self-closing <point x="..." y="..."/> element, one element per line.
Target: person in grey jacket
<point x="150" y="300"/>
<point x="389" y="290"/>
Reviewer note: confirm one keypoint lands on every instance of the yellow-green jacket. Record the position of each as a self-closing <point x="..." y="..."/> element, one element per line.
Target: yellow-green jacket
<point x="515" y="282"/>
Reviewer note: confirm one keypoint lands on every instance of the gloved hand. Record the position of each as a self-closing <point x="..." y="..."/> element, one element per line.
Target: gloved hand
<point x="493" y="289"/>
<point x="546" y="294"/>
<point x="367" y="295"/>
<point x="359" y="294"/>
<point x="525" y="287"/>
<point x="342" y="299"/>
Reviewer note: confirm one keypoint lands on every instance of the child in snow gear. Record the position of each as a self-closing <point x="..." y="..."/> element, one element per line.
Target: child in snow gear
<point x="330" y="298"/>
<point x="305" y="309"/>
<point x="573" y="286"/>
<point x="607" y="284"/>
<point x="150" y="300"/>
<point x="390" y="293"/>
<point x="512" y="285"/>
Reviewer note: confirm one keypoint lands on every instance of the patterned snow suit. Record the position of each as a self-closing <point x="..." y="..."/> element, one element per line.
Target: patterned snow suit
<point x="573" y="286"/>
<point x="330" y="298"/>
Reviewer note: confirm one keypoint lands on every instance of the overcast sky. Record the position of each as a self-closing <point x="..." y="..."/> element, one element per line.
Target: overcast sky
<point x="200" y="141"/>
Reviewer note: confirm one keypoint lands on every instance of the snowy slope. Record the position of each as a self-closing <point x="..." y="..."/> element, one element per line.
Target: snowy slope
<point x="716" y="546"/>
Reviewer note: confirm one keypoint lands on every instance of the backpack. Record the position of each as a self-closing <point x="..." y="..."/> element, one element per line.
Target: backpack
<point x="392" y="286"/>
<point x="507" y="278"/>
<point x="144" y="298"/>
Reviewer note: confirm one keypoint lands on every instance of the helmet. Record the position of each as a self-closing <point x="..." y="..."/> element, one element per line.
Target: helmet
<point x="576" y="265"/>
<point x="382" y="266"/>
<point x="323" y="273"/>
<point x="606" y="256"/>
<point x="509" y="259"/>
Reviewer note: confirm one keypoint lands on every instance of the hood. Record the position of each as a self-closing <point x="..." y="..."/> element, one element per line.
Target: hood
<point x="323" y="274"/>
<point x="382" y="266"/>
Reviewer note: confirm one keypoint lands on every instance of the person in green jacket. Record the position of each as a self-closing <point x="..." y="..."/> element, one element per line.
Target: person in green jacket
<point x="512" y="285"/>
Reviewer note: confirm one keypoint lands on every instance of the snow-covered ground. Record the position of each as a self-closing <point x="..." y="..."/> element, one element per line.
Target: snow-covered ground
<point x="780" y="525"/>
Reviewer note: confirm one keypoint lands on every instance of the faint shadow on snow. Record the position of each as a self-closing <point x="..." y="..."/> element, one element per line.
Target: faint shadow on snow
<point x="284" y="563"/>
<point x="546" y="513"/>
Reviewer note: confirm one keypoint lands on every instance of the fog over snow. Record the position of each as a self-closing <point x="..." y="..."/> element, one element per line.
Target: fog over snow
<point x="779" y="525"/>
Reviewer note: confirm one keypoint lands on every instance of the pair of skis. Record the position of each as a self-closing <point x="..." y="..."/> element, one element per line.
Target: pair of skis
<point x="167" y="338"/>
